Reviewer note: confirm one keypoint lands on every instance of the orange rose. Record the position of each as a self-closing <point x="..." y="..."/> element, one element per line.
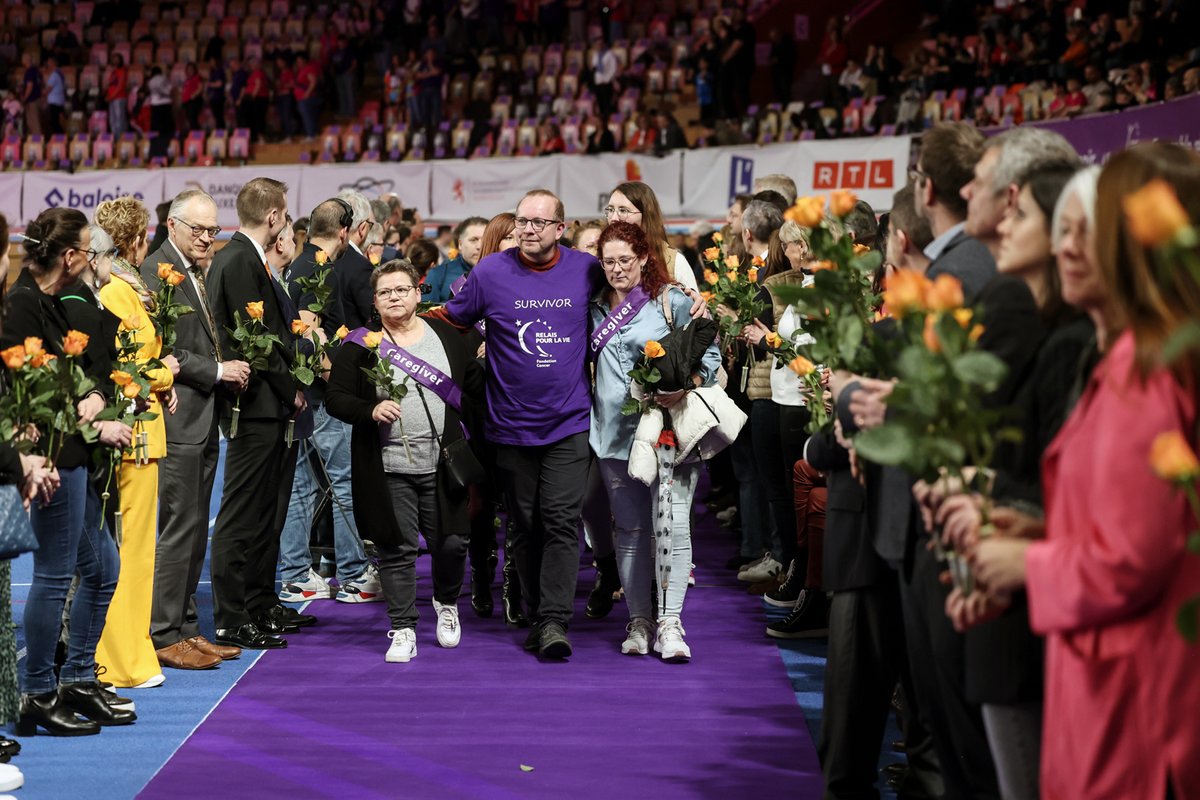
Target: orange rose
<point x="842" y="202"/>
<point x="963" y="317"/>
<point x="808" y="211"/>
<point x="75" y="343"/>
<point x="752" y="274"/>
<point x="801" y="366"/>
<point x="944" y="293"/>
<point x="733" y="262"/>
<point x="930" y="335"/>
<point x="1154" y="214"/>
<point x="654" y="349"/>
<point x="860" y="249"/>
<point x="732" y="275"/>
<point x="41" y="360"/>
<point x="817" y="266"/>
<point x="708" y="297"/>
<point x="374" y="259"/>
<point x="175" y="278"/>
<point x="342" y="332"/>
<point x="710" y="276"/>
<point x="164" y="270"/>
<point x="131" y="390"/>
<point x="33" y="346"/>
<point x="321" y="258"/>
<point x="120" y="377"/>
<point x="131" y="323"/>
<point x="373" y="339"/>
<point x="904" y="291"/>
<point x="1172" y="458"/>
<point x="452" y="253"/>
<point x="255" y="310"/>
<point x="299" y="328"/>
<point x="774" y="339"/>
<point x="717" y="237"/>
<point x="975" y="333"/>
<point x="712" y="254"/>
<point x="14" y="357"/>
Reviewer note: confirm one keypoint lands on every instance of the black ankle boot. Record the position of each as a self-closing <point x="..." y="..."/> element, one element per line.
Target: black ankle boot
<point x="608" y="582"/>
<point x="481" y="593"/>
<point x="88" y="700"/>
<point x="48" y="711"/>
<point x="510" y="595"/>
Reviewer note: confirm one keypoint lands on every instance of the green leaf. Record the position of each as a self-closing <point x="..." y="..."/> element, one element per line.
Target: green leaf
<point x="1187" y="619"/>
<point x="653" y="376"/>
<point x="888" y="444"/>
<point x="631" y="407"/>
<point x="145" y="416"/>
<point x="305" y="376"/>
<point x="980" y="369"/>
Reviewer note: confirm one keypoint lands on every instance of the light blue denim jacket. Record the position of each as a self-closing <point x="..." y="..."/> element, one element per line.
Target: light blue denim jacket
<point x="612" y="432"/>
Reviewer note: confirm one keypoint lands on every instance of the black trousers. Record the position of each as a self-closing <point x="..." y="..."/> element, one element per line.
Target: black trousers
<point x="259" y="470"/>
<point x="937" y="660"/>
<point x="544" y="486"/>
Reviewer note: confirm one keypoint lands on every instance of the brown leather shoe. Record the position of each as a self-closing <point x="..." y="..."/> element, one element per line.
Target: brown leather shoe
<point x="184" y="655"/>
<point x="224" y="652"/>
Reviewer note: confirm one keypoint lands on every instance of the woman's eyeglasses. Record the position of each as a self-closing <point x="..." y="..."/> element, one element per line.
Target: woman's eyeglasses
<point x="397" y="291"/>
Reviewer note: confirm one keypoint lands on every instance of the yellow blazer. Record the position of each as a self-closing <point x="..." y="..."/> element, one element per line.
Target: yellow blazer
<point x="122" y="300"/>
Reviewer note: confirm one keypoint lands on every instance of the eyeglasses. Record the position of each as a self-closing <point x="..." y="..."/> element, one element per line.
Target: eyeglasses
<point x="538" y="225"/>
<point x="91" y="255"/>
<point x="915" y="174"/>
<point x="619" y="212"/>
<point x="198" y="230"/>
<point x="396" y="291"/>
<point x="625" y="262"/>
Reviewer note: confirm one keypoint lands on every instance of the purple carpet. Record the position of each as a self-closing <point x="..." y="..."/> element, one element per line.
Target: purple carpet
<point x="328" y="717"/>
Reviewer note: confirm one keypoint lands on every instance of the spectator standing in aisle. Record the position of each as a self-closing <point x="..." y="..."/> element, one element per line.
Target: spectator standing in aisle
<point x="605" y="66"/>
<point x="215" y="89"/>
<point x="162" y="112"/>
<point x="308" y="75"/>
<point x="191" y="95"/>
<point x="31" y="96"/>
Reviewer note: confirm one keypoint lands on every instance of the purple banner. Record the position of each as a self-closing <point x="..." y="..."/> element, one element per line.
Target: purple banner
<point x="1098" y="137"/>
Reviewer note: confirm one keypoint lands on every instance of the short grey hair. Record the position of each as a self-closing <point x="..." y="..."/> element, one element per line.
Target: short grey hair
<point x="101" y="241"/>
<point x="186" y="196"/>
<point x="359" y="204"/>
<point x="777" y="183"/>
<point x="381" y="210"/>
<point x="1026" y="150"/>
<point x="761" y="219"/>
<point x="1083" y="184"/>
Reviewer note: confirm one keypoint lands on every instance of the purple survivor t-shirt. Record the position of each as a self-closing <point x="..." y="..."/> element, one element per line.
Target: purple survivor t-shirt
<point x="537" y="342"/>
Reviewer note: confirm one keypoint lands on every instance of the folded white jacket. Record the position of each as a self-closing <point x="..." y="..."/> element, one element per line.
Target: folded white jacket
<point x="706" y="421"/>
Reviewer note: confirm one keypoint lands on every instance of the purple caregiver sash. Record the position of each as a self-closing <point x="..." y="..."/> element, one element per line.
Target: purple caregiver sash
<point x="616" y="319"/>
<point x="422" y="372"/>
<point x="455" y="288"/>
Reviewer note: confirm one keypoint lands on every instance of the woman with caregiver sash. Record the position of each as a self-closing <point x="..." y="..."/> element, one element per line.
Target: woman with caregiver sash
<point x="402" y="481"/>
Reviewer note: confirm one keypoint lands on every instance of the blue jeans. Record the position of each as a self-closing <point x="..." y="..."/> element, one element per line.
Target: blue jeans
<point x="71" y="538"/>
<point x="331" y="439"/>
<point x="310" y="112"/>
<point x="118" y="120"/>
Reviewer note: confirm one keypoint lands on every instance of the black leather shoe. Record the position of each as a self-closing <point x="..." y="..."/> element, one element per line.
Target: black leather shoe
<point x="9" y="748"/>
<point x="533" y="641"/>
<point x="86" y="699"/>
<point x="608" y="582"/>
<point x="291" y="616"/>
<point x="248" y="637"/>
<point x="481" y="594"/>
<point x="274" y="625"/>
<point x="553" y="641"/>
<point x="49" y="712"/>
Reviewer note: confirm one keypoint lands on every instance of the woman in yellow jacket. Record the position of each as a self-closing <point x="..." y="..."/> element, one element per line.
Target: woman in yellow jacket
<point x="126" y="651"/>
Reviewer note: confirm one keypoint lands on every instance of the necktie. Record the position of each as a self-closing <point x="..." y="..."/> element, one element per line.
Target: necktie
<point x="198" y="274"/>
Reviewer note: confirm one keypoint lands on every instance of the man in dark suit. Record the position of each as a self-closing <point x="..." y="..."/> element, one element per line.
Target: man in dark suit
<point x="329" y="232"/>
<point x="258" y="464"/>
<point x="352" y="272"/>
<point x="186" y="475"/>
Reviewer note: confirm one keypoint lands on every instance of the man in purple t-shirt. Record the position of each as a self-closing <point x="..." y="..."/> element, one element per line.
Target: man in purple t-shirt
<point x="534" y="298"/>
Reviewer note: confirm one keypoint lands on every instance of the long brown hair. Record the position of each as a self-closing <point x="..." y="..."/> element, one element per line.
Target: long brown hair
<point x="1152" y="301"/>
<point x="654" y="275"/>
<point x="645" y="201"/>
<point x="500" y="226"/>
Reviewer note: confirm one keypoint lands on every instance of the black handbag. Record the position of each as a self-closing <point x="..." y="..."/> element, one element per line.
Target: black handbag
<point x="16" y="532"/>
<point x="458" y="459"/>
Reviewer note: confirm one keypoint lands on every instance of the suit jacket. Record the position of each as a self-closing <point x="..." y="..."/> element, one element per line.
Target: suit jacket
<point x="967" y="259"/>
<point x="305" y="422"/>
<point x="356" y="302"/>
<point x="239" y="276"/>
<point x="196" y="351"/>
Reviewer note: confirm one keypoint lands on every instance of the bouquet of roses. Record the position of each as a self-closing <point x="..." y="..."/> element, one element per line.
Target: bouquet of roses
<point x="25" y="405"/>
<point x="165" y="312"/>
<point x="1173" y="460"/>
<point x="645" y="377"/>
<point x="384" y="378"/>
<point x="319" y="284"/>
<point x="255" y="343"/>
<point x="787" y="354"/>
<point x="728" y="286"/>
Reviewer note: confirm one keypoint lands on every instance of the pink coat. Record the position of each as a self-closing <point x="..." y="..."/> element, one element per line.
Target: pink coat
<point x="1122" y="687"/>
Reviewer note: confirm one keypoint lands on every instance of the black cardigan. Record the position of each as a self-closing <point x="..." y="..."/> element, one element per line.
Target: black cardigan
<point x="351" y="398"/>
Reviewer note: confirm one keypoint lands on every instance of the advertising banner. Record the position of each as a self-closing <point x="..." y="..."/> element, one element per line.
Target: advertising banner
<point x="872" y="168"/>
<point x="224" y="184"/>
<point x="408" y="180"/>
<point x="1097" y="137"/>
<point x="585" y="182"/>
<point x="485" y="187"/>
<point x="10" y="199"/>
<point x="86" y="190"/>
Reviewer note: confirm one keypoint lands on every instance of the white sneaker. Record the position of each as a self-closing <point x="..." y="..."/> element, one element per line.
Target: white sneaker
<point x="366" y="588"/>
<point x="448" y="631"/>
<point x="762" y="571"/>
<point x="725" y="515"/>
<point x="752" y="565"/>
<point x="10" y="777"/>
<point x="637" y="643"/>
<point x="669" y="640"/>
<point x="151" y="682"/>
<point x="403" y="647"/>
<point x="311" y="587"/>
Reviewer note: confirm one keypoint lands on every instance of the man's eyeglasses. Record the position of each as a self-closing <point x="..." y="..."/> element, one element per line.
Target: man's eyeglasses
<point x="538" y="225"/>
<point x="916" y="174"/>
<point x="397" y="291"/>
<point x="619" y="212"/>
<point x="199" y="230"/>
<point x="625" y="262"/>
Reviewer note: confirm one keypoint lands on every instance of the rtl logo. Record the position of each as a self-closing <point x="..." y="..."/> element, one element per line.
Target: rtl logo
<point x="853" y="175"/>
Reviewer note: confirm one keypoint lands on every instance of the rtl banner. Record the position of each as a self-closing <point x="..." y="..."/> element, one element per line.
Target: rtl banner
<point x="872" y="168"/>
<point x="586" y="182"/>
<point x="86" y="190"/>
<point x="486" y="187"/>
<point x="225" y="183"/>
<point x="408" y="180"/>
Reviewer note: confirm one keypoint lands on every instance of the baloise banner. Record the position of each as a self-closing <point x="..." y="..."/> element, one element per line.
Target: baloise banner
<point x="86" y="190"/>
<point x="225" y="183"/>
